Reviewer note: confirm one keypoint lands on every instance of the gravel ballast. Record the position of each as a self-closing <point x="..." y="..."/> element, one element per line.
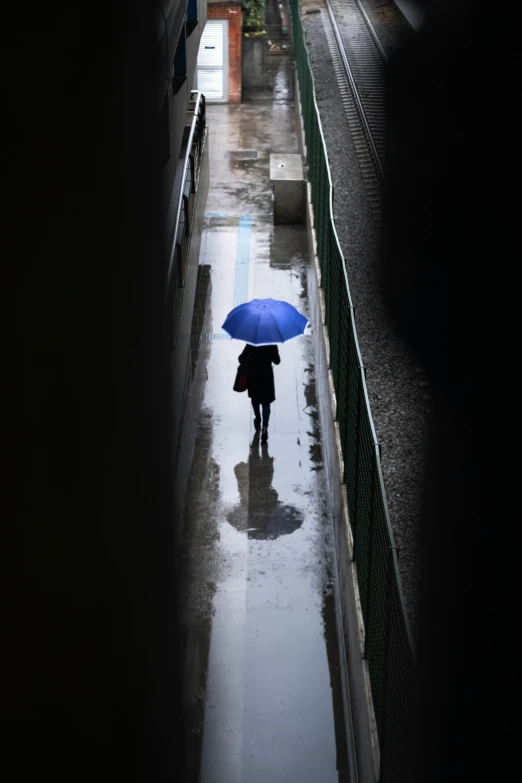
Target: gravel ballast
<point x="397" y="388"/>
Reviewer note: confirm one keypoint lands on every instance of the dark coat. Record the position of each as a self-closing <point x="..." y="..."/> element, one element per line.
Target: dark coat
<point x="260" y="378"/>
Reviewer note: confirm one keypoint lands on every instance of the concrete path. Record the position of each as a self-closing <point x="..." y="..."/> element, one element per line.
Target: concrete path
<point x="262" y="672"/>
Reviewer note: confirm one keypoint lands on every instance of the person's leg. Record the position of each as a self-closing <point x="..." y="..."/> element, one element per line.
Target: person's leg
<point x="257" y="414"/>
<point x="266" y="416"/>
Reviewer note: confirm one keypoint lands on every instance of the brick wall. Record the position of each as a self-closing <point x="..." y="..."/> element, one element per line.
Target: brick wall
<point x="234" y="15"/>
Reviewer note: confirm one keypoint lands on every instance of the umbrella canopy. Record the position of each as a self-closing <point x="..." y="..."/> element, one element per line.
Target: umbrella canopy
<point x="265" y="322"/>
<point x="260" y="514"/>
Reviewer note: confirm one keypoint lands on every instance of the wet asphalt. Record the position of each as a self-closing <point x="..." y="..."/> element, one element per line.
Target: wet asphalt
<point x="262" y="680"/>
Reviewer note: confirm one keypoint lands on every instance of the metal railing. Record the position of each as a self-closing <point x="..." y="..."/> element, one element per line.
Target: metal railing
<point x="180" y="241"/>
<point x="188" y="187"/>
<point x="388" y="642"/>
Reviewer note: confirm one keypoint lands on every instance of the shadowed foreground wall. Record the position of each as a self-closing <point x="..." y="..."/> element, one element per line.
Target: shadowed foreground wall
<point x="88" y="676"/>
<point x="449" y="240"/>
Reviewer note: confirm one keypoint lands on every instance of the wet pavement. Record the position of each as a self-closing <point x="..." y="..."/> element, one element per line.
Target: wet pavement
<point x="262" y="679"/>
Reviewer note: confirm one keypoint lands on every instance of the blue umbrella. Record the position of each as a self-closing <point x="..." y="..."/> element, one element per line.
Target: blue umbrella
<point x="265" y="322"/>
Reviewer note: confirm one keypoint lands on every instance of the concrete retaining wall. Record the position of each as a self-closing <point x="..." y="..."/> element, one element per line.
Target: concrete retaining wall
<point x="361" y="727"/>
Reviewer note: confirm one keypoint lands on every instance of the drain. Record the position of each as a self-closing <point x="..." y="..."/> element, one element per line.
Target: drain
<point x="242" y="154"/>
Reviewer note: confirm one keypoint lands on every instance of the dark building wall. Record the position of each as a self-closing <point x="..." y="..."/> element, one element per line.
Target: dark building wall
<point x="178" y="44"/>
<point x="89" y="654"/>
<point x="193" y="41"/>
<point x="448" y="202"/>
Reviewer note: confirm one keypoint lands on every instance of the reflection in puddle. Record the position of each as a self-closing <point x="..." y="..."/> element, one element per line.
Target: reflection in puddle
<point x="260" y="513"/>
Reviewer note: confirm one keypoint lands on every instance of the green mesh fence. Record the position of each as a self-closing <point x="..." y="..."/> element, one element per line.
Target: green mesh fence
<point x="388" y="646"/>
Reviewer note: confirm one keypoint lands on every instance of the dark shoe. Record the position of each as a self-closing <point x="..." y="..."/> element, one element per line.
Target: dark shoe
<point x="264" y="436"/>
<point x="257" y="423"/>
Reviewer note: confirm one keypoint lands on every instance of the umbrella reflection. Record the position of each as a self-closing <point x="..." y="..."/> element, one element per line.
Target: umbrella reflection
<point x="260" y="513"/>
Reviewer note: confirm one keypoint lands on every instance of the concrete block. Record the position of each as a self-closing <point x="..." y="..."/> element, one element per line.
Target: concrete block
<point x="289" y="188"/>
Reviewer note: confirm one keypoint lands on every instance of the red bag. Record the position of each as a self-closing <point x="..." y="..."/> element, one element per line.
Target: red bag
<point x="240" y="384"/>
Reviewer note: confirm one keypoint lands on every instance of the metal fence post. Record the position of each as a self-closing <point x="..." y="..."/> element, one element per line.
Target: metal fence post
<point x="386" y="668"/>
<point x="347" y="371"/>
<point x="366" y="611"/>
<point x="356" y="465"/>
<point x="339" y="332"/>
<point x="192" y="174"/>
<point x="187" y="228"/>
<point x="328" y="292"/>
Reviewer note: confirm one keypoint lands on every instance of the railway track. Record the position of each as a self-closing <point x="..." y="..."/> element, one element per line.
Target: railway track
<point x="359" y="61"/>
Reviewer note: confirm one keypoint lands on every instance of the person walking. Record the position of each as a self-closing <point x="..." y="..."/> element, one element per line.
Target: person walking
<point x="260" y="381"/>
